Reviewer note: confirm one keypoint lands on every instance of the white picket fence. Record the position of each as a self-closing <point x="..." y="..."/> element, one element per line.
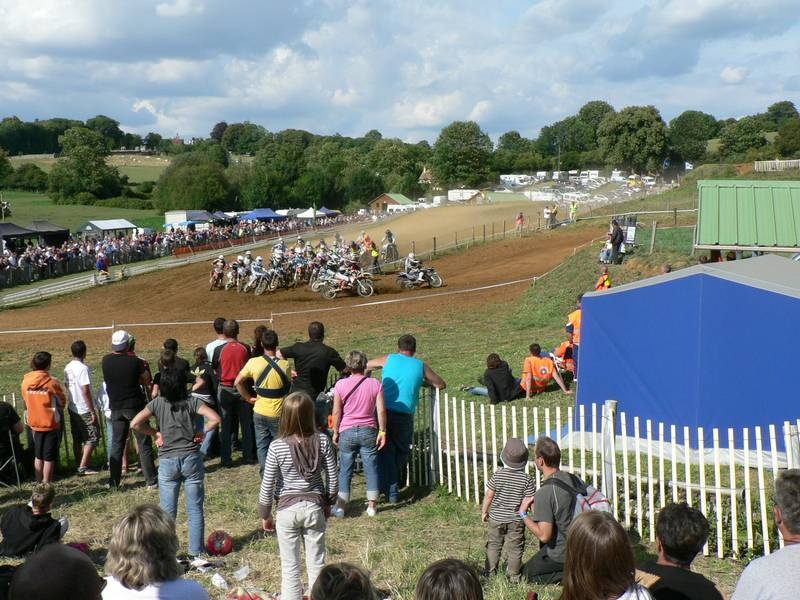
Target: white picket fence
<point x="640" y="465"/>
<point x="766" y="166"/>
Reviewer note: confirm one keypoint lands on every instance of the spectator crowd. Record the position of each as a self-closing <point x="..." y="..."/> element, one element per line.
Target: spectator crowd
<point x="234" y="397"/>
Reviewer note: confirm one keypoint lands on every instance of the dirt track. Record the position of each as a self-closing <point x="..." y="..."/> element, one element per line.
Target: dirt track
<point x="182" y="295"/>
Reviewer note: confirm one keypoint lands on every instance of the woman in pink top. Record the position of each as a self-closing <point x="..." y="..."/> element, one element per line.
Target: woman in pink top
<point x="359" y="425"/>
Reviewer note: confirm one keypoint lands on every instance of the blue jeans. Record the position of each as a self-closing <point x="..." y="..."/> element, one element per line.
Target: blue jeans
<point x="478" y="390"/>
<point x="188" y="469"/>
<point x="354" y="440"/>
<point x="394" y="456"/>
<point x="266" y="431"/>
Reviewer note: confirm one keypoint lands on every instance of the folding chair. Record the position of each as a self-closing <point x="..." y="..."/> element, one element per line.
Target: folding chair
<point x="11" y="460"/>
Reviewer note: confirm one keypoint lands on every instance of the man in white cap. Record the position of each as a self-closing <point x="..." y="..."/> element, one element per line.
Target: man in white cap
<point x="126" y="379"/>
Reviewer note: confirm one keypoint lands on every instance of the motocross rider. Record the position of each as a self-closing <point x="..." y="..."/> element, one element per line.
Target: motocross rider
<point x="413" y="267"/>
<point x="257" y="269"/>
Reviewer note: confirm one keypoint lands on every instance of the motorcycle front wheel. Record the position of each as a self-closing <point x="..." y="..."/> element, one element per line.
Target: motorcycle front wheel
<point x="364" y="288"/>
<point x="328" y="292"/>
<point x="435" y="280"/>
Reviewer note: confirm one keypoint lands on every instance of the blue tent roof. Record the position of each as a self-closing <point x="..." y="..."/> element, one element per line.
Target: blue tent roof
<point x="261" y="214"/>
<point x="328" y="211"/>
<point x="702" y="347"/>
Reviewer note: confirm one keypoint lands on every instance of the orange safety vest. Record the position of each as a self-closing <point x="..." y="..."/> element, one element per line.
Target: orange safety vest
<point x="603" y="283"/>
<point x="540" y="370"/>
<point x="561" y="352"/>
<point x="574" y="319"/>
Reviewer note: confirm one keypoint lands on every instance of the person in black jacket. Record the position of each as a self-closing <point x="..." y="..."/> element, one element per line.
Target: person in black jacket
<point x="500" y="385"/>
<point x="29" y="528"/>
<point x="617" y="237"/>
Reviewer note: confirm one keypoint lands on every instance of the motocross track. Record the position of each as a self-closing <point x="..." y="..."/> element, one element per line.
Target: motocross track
<point x="182" y="295"/>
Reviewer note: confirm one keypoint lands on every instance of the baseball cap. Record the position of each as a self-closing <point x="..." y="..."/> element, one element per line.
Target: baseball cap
<point x="120" y="340"/>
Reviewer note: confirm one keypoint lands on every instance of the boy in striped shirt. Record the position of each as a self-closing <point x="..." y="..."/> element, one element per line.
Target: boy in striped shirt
<point x="505" y="492"/>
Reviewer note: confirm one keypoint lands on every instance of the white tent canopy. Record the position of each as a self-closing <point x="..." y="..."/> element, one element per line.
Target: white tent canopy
<point x="310" y="214"/>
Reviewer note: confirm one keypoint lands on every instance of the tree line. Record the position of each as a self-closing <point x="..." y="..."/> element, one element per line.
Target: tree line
<point x="243" y="165"/>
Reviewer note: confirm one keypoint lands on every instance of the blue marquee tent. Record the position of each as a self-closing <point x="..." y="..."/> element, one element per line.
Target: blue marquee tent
<point x="261" y="214"/>
<point x="711" y="345"/>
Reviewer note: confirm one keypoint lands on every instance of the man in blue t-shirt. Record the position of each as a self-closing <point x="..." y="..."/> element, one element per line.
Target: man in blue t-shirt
<point x="403" y="376"/>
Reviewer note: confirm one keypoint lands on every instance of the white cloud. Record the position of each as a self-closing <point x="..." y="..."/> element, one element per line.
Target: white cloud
<point x="179" y="8"/>
<point x="733" y="75"/>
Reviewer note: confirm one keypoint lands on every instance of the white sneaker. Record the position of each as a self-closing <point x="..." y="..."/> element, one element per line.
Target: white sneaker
<point x="371" y="512"/>
<point x="337" y="512"/>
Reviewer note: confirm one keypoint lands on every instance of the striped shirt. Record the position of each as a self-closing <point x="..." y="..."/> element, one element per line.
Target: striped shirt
<point x="282" y="480"/>
<point x="510" y="486"/>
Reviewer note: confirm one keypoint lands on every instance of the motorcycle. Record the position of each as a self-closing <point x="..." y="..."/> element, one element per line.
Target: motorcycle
<point x="216" y="278"/>
<point x="361" y="283"/>
<point x="389" y="253"/>
<point x="231" y="278"/>
<point x="254" y="281"/>
<point x="429" y="277"/>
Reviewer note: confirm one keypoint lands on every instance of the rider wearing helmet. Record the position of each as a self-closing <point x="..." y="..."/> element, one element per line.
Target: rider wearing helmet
<point x="388" y="238"/>
<point x="248" y="258"/>
<point x="413" y="267"/>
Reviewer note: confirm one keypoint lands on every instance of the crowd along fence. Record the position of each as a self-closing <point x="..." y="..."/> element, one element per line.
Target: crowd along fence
<point x="640" y="465"/>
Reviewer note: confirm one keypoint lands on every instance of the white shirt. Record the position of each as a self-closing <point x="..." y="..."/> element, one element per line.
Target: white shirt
<point x="772" y="577"/>
<point x="76" y="375"/>
<point x="177" y="589"/>
<point x="211" y="346"/>
<point x="637" y="592"/>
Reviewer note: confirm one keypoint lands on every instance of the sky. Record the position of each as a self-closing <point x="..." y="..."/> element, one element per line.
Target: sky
<point x="406" y="68"/>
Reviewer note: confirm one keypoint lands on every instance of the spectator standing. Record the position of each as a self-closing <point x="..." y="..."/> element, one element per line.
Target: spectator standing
<point x="181" y="364"/>
<point x="538" y="372"/>
<point x="293" y="471"/>
<point x="82" y="415"/>
<point x="219" y="324"/>
<point x="546" y="215"/>
<point x="204" y="389"/>
<point x="359" y="427"/>
<point x="313" y="361"/>
<point x="777" y="576"/>
<point x="519" y="224"/>
<point x="681" y="533"/>
<point x="142" y="563"/>
<point x="617" y="238"/>
<point x="179" y="457"/>
<point x="573" y="211"/>
<point x="402" y="378"/>
<point x="507" y="489"/>
<point x="269" y="377"/>
<point x="574" y="332"/>
<point x="31" y="527"/>
<point x="553" y="508"/>
<point x="228" y="361"/>
<point x="126" y="381"/>
<point x="599" y="561"/>
<point x="45" y="401"/>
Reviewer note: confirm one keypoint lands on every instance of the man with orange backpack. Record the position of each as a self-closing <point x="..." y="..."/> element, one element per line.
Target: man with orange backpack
<point x="45" y="401"/>
<point x="538" y="372"/>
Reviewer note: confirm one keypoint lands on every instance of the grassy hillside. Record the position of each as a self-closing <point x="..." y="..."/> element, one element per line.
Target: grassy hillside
<point x="30" y="206"/>
<point x="137" y="168"/>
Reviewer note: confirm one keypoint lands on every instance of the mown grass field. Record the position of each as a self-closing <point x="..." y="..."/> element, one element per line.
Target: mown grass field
<point x="30" y="206"/>
<point x="402" y="540"/>
<point x="137" y="168"/>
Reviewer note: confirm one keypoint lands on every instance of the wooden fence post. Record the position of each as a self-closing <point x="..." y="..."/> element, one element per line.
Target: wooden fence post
<point x="456" y="239"/>
<point x="484" y="233"/>
<point x="473" y="234"/>
<point x="504" y="229"/>
<point x="434" y="245"/>
<point x="653" y="237"/>
<point x="492" y="230"/>
<point x="694" y="238"/>
<point x="674" y="217"/>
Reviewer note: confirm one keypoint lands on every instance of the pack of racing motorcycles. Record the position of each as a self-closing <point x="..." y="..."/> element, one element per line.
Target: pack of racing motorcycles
<point x="341" y="268"/>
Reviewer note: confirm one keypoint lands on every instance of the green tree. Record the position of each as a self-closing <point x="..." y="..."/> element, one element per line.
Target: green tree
<point x="83" y="170"/>
<point x="779" y="113"/>
<point x="568" y="135"/>
<point x="361" y="185"/>
<point x="741" y="136"/>
<point x="635" y="138"/>
<point x="592" y="114"/>
<point x="243" y="138"/>
<point x="788" y="140"/>
<point x="462" y="155"/>
<point x="108" y="128"/>
<point x="153" y="141"/>
<point x="193" y="181"/>
<point x="689" y="133"/>
<point x="28" y="177"/>
<point x="6" y="170"/>
<point x="218" y="131"/>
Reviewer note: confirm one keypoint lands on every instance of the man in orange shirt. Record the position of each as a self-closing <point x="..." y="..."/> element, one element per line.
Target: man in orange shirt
<point x="604" y="282"/>
<point x="537" y="373"/>
<point x="45" y="401"/>
<point x="574" y="333"/>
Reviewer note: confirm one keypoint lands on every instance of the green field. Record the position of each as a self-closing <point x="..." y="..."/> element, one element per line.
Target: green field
<point x="137" y="168"/>
<point x="30" y="206"/>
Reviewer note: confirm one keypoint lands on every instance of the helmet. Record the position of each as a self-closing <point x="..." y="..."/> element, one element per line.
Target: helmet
<point x="412" y="256"/>
<point x="259" y="259"/>
<point x="388" y="231"/>
<point x="240" y="258"/>
<point x="248" y="253"/>
<point x="220" y="257"/>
